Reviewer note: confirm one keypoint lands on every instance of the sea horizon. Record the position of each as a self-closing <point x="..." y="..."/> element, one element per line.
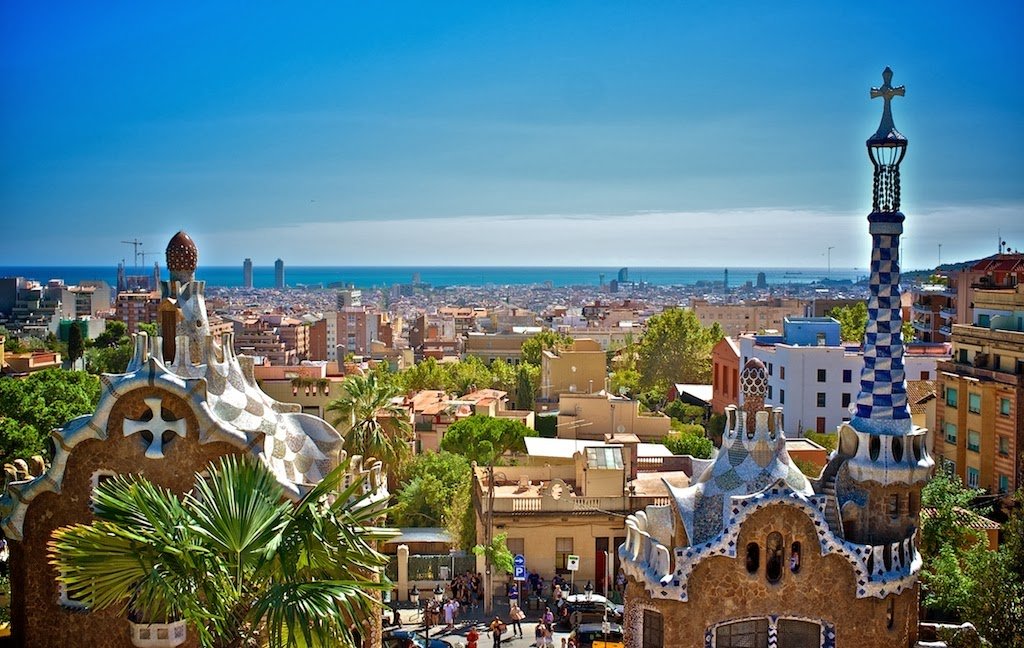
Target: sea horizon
<point x="366" y="276"/>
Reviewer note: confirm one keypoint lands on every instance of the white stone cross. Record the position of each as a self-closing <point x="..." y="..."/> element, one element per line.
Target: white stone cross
<point x="155" y="426"/>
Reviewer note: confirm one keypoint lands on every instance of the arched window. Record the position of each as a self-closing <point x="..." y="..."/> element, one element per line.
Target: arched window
<point x="894" y="506"/>
<point x="774" y="557"/>
<point x="794" y="557"/>
<point x="890" y="614"/>
<point x="753" y="557"/>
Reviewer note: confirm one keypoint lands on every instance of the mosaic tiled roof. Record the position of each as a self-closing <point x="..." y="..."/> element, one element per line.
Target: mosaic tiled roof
<point x="753" y="458"/>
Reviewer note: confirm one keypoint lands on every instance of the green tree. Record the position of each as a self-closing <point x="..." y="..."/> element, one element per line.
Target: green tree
<point x="40" y="403"/>
<point x="115" y="334"/>
<point x="676" y="348"/>
<point x="427" y="374"/>
<point x="853" y="320"/>
<point x="467" y="376"/>
<point x="497" y="553"/>
<point x="625" y="381"/>
<point x="430" y="484"/>
<point x="76" y="345"/>
<point x="689" y="439"/>
<point x="827" y="441"/>
<point x="684" y="412"/>
<point x="373" y="424"/>
<point x="527" y="377"/>
<point x="543" y="341"/>
<point x="943" y="495"/>
<point x="484" y="440"/>
<point x="235" y="560"/>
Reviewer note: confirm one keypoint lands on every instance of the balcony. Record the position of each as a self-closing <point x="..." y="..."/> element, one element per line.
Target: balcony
<point x="922" y="326"/>
<point x="921" y="309"/>
<point x="981" y="373"/>
<point x="948" y="313"/>
<point x="533" y="505"/>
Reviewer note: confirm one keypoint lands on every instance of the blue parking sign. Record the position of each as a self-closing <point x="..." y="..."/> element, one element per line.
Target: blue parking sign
<point x="519" y="565"/>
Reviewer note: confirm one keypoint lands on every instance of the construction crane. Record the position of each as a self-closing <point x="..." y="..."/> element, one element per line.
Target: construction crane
<point x="148" y="254"/>
<point x="135" y="243"/>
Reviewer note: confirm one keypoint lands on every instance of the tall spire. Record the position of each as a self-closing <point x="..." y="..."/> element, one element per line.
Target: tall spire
<point x="882" y="401"/>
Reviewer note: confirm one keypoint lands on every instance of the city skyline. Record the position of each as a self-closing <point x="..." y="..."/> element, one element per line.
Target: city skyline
<point x="466" y="135"/>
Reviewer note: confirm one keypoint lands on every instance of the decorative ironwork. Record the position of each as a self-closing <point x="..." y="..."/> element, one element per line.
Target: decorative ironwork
<point x="886" y="149"/>
<point x="156" y="424"/>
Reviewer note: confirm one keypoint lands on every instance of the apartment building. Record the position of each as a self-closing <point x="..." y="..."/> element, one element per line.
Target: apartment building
<point x="581" y="367"/>
<point x="981" y="391"/>
<point x="814" y="377"/>
<point x="932" y="312"/>
<point x="134" y="308"/>
<point x="592" y="416"/>
<point x="744" y="317"/>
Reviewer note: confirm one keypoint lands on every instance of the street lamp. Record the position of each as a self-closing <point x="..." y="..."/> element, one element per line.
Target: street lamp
<point x="829" y="252"/>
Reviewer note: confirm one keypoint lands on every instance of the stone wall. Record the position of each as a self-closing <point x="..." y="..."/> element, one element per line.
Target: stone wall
<point x="40" y="621"/>
<point x="823" y="590"/>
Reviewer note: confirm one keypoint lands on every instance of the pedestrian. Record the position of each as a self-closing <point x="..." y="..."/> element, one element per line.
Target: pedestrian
<point x="472" y="637"/>
<point x="538" y="634"/>
<point x="449" y="615"/>
<point x="517" y="616"/>
<point x="497" y="629"/>
<point x="513" y="594"/>
<point x="549" y="617"/>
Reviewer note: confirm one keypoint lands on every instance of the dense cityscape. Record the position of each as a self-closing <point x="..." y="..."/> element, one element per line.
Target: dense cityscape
<point x="588" y="326"/>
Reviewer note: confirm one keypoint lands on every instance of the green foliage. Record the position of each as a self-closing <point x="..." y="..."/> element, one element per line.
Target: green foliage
<point x="945" y="493"/>
<point x="76" y="345"/>
<point x="995" y="604"/>
<point x="112" y="349"/>
<point x="808" y="468"/>
<point x="149" y="328"/>
<point x="684" y="412"/>
<point x="30" y="408"/>
<point x="527" y="380"/>
<point x="543" y="341"/>
<point x="427" y="374"/>
<point x="947" y="587"/>
<point x="547" y="426"/>
<point x="675" y="348"/>
<point x="827" y="441"/>
<point x="235" y="560"/>
<point x="716" y="426"/>
<point x="853" y="320"/>
<point x="689" y="439"/>
<point x="484" y="439"/>
<point x="431" y="484"/>
<point x="20" y="441"/>
<point x="115" y="334"/>
<point x="373" y="425"/>
<point x="497" y="553"/>
<point x="625" y="381"/>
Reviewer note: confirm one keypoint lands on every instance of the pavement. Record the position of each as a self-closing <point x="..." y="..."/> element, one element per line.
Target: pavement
<point x="412" y="620"/>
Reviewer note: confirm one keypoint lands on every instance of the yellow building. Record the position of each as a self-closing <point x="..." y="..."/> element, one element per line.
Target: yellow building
<point x="549" y="512"/>
<point x="489" y="347"/>
<point x="749" y="317"/>
<point x="980" y="393"/>
<point x="580" y="368"/>
<point x="592" y="416"/>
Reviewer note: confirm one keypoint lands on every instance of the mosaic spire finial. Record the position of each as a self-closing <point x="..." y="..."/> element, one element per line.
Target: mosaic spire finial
<point x="754" y="385"/>
<point x="882" y="401"/>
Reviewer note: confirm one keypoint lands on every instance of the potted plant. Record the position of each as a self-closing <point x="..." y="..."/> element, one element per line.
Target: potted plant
<point x="233" y="559"/>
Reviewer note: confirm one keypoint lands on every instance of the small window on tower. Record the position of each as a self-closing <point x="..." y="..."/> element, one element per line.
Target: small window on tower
<point x="753" y="557"/>
<point x="894" y="506"/>
<point x="773" y="557"/>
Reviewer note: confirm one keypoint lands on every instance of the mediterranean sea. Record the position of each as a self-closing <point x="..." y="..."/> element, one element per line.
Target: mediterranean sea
<point x="439" y="276"/>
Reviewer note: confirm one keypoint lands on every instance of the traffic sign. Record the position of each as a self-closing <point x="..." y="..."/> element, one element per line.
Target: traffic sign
<point x="572" y="563"/>
<point x="519" y="567"/>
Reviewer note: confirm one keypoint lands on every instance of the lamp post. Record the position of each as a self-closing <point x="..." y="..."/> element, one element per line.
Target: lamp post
<point x="829" y="253"/>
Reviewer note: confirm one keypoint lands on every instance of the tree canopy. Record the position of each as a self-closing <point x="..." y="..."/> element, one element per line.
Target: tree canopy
<point x="676" y="348"/>
<point x="853" y="321"/>
<point x="373" y="425"/>
<point x="484" y="439"/>
<point x="543" y="341"/>
<point x="30" y="408"/>
<point x="689" y="439"/>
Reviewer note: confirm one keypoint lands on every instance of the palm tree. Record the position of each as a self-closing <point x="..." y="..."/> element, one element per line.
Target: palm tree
<point x="375" y="425"/>
<point x="233" y="558"/>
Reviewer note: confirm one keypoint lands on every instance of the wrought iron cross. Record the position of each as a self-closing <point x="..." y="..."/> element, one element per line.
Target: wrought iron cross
<point x="156" y="426"/>
<point x="887" y="92"/>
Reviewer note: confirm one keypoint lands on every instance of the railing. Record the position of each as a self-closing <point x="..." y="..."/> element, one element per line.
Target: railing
<point x="573" y="504"/>
<point x="948" y="313"/>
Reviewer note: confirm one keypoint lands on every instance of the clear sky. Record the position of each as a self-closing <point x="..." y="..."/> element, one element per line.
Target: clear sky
<point x="503" y="133"/>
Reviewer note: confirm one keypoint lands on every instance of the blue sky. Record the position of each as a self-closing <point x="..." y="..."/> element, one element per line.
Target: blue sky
<point x="534" y="133"/>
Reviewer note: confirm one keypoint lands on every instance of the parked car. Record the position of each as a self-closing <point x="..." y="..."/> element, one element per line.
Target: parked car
<point x="582" y="608"/>
<point x="401" y="639"/>
<point x="587" y="633"/>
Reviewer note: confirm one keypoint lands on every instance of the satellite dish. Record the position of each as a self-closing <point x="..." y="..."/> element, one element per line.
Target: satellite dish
<point x="620" y="429"/>
<point x="623" y="391"/>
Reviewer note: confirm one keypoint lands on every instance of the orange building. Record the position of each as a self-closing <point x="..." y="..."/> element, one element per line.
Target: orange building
<point x="725" y="374"/>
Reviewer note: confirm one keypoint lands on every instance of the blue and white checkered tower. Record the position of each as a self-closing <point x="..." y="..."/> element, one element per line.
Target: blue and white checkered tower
<point x="882" y="401"/>
<point x="881" y="441"/>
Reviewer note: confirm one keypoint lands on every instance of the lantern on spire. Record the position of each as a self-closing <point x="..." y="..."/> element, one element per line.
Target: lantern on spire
<point x="886" y="149"/>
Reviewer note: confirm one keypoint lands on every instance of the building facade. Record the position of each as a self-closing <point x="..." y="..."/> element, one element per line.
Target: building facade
<point x="980" y="392"/>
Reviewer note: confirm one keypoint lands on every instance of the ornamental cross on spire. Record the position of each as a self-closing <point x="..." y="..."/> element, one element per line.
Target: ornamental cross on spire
<point x="887" y="128"/>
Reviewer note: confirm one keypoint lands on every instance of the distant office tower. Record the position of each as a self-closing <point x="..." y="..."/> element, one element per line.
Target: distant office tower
<point x="762" y="281"/>
<point x="725" y="280"/>
<point x="156" y="273"/>
<point x="247" y="273"/>
<point x="279" y="274"/>
<point x="623" y="275"/>
<point x="349" y="297"/>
